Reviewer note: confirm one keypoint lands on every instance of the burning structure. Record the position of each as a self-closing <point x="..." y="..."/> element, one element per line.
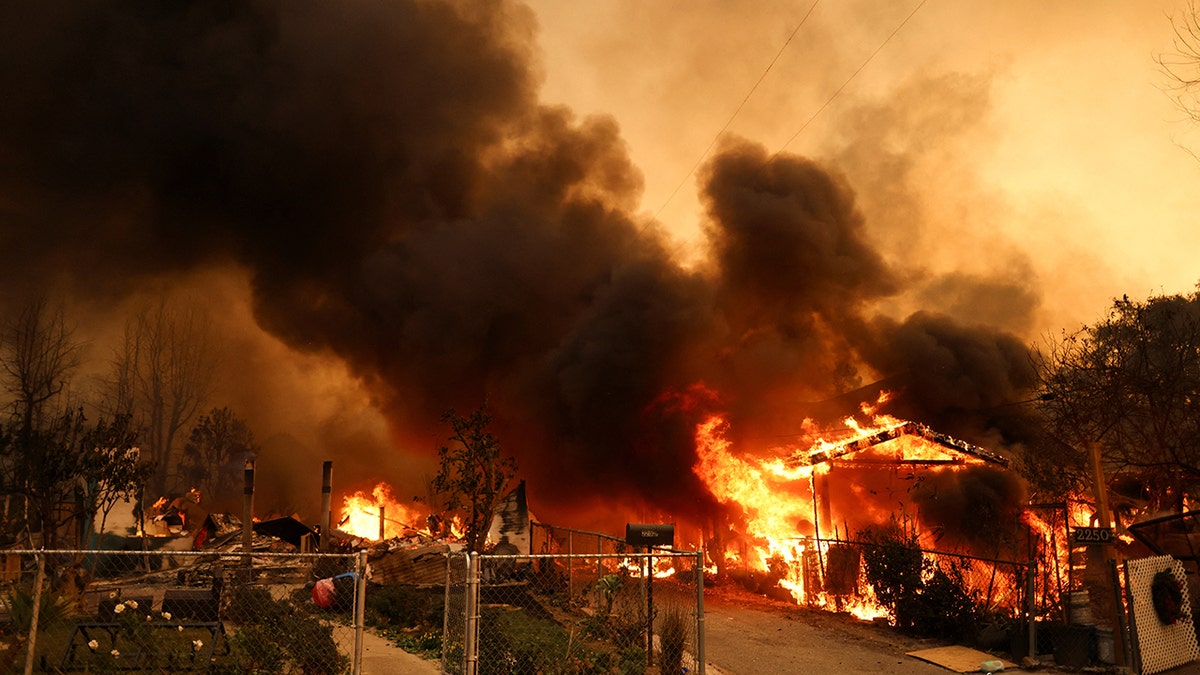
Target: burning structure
<point x="792" y="517"/>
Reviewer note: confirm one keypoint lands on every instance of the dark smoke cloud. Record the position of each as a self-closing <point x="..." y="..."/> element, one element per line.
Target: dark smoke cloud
<point x="385" y="175"/>
<point x="978" y="506"/>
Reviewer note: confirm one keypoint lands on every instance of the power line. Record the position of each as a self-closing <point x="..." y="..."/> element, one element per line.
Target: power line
<point x="852" y="76"/>
<point x="806" y="123"/>
<point x="728" y="122"/>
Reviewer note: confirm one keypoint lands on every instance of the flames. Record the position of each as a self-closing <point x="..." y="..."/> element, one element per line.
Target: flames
<point x="791" y="513"/>
<point x="378" y="516"/>
<point x="366" y="515"/>
<point x="775" y="498"/>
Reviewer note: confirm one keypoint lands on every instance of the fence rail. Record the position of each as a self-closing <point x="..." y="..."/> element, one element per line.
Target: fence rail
<point x="178" y="611"/>
<point x="575" y="613"/>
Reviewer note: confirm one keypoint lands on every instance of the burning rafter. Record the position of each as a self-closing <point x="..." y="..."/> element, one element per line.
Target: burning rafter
<point x="824" y="452"/>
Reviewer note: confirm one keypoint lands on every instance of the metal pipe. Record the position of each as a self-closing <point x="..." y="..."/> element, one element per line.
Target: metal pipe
<point x="326" y="522"/>
<point x="382" y="521"/>
<point x="248" y="511"/>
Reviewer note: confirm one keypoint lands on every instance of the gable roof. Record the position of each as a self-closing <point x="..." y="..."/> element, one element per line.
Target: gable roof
<point x="832" y="451"/>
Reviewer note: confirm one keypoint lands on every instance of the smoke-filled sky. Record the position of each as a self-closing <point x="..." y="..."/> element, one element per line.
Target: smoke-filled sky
<point x="394" y="207"/>
<point x="1030" y="137"/>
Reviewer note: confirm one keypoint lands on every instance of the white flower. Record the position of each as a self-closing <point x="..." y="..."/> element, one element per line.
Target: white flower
<point x="112" y="595"/>
<point x="132" y="604"/>
<point x="167" y="616"/>
<point x="179" y="628"/>
<point x="197" y="644"/>
<point x="148" y="617"/>
<point x="115" y="654"/>
<point x="118" y="609"/>
<point x="92" y="644"/>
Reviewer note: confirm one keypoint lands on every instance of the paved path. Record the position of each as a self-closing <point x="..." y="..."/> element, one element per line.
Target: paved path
<point x="381" y="657"/>
<point x="749" y="635"/>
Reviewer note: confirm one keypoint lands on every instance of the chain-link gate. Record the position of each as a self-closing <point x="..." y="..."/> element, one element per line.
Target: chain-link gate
<point x="576" y="613"/>
<point x="176" y="611"/>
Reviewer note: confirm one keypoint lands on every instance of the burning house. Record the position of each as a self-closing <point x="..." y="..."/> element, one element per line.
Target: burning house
<point x="794" y="517"/>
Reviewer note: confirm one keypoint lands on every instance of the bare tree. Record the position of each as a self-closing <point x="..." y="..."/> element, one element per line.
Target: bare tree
<point x="38" y="357"/>
<point x="162" y="375"/>
<point x="1183" y="66"/>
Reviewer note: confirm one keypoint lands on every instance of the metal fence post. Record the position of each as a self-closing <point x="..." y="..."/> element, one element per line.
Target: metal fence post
<point x="37" y="605"/>
<point x="649" y="562"/>
<point x="360" y="610"/>
<point x="1133" y="657"/>
<point x="700" y="611"/>
<point x="1031" y="603"/>
<point x="470" y="650"/>
<point x="446" y="608"/>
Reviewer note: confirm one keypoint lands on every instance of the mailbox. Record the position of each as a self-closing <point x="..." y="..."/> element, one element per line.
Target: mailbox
<point x="645" y="534"/>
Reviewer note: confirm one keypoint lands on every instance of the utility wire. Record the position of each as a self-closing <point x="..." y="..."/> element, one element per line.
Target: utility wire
<point x="851" y="78"/>
<point x="728" y="122"/>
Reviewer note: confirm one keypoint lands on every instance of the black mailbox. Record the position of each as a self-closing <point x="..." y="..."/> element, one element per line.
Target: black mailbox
<point x="644" y="534"/>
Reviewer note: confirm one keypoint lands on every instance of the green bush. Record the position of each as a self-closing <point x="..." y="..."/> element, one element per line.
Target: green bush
<point x="514" y="643"/>
<point x="633" y="660"/>
<point x="251" y="605"/>
<point x="310" y="643"/>
<point x="256" y="650"/>
<point x="274" y="635"/>
<point x="53" y="608"/>
<point x="405" y="607"/>
<point x="426" y="643"/>
<point x="923" y="598"/>
<point x="672" y="637"/>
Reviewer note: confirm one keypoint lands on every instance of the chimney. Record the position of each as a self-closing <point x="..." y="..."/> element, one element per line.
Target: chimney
<point x="248" y="510"/>
<point x="326" y="522"/>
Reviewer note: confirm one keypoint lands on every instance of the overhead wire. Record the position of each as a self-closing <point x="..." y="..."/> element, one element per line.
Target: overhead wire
<point x="852" y="76"/>
<point x="741" y="105"/>
<point x="807" y="122"/>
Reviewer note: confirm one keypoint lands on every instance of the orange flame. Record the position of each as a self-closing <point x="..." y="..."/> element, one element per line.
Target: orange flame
<point x="361" y="514"/>
<point x="775" y="500"/>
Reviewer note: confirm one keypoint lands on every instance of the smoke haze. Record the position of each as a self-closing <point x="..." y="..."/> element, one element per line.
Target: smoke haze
<point x="389" y="222"/>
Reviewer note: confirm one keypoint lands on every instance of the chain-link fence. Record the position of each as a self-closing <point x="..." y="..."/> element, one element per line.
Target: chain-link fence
<point x="624" y="613"/>
<point x="168" y="612"/>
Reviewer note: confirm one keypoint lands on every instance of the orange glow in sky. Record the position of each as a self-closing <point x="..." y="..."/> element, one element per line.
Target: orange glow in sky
<point x="1017" y="139"/>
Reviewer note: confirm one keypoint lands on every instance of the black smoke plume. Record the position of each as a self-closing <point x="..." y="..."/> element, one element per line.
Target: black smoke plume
<point x="386" y="175"/>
